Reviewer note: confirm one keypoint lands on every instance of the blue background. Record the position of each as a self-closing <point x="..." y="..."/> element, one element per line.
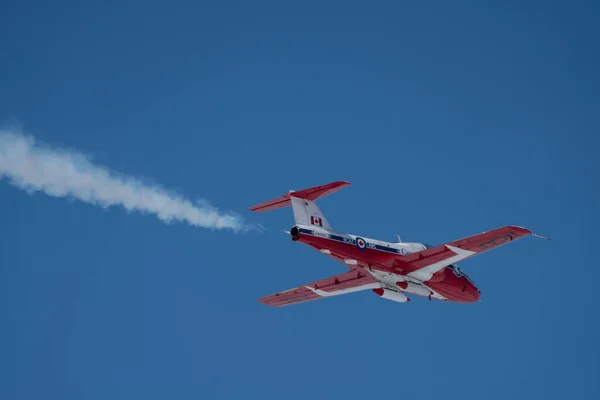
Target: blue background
<point x="449" y="119"/>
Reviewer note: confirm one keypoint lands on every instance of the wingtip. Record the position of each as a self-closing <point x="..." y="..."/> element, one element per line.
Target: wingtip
<point x="341" y="183"/>
<point x="530" y="232"/>
<point x="519" y="228"/>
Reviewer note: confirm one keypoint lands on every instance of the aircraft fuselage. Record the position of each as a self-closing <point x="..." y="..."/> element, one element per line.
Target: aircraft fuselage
<point x="383" y="260"/>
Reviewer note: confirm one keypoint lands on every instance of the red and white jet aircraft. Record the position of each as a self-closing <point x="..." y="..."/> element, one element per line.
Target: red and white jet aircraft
<point x="388" y="269"/>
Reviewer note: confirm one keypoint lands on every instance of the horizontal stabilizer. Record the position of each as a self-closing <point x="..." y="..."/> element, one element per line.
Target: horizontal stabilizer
<point x="313" y="193"/>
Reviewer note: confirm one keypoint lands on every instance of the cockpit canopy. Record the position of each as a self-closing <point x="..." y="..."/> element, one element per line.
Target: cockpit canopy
<point x="458" y="272"/>
<point x="454" y="268"/>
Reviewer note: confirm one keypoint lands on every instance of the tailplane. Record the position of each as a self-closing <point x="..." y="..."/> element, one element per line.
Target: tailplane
<point x="303" y="203"/>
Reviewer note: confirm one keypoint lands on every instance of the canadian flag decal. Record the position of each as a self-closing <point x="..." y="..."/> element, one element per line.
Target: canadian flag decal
<point x="315" y="221"/>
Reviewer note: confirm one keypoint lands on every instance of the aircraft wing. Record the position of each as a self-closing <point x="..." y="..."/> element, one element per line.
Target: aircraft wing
<point x="352" y="281"/>
<point x="424" y="264"/>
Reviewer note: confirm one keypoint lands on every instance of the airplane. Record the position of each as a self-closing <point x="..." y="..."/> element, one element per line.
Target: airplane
<point x="390" y="270"/>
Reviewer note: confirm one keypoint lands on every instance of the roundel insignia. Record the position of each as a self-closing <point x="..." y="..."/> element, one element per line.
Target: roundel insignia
<point x="361" y="243"/>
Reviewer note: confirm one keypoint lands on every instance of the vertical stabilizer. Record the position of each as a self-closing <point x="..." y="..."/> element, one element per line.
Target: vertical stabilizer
<point x="306" y="211"/>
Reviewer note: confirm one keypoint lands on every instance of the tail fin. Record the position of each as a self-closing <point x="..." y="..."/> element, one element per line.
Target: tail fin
<point x="306" y="211"/>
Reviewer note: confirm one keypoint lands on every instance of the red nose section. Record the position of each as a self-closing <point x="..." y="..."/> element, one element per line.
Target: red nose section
<point x="472" y="295"/>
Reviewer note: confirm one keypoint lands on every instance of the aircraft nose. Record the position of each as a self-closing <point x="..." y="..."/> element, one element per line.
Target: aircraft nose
<point x="472" y="294"/>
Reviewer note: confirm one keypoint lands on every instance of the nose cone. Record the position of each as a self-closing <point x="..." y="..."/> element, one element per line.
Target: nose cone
<point x="475" y="294"/>
<point x="470" y="294"/>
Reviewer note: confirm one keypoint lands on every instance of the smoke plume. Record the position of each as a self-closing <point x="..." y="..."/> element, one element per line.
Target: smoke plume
<point x="65" y="173"/>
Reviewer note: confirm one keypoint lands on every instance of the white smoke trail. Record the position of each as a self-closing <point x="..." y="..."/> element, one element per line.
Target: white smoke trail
<point x="64" y="173"/>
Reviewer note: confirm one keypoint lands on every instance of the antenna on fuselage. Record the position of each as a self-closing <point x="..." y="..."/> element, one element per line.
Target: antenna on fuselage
<point x="399" y="240"/>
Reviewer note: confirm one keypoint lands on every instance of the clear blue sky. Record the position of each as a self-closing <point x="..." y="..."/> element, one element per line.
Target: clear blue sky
<point x="448" y="119"/>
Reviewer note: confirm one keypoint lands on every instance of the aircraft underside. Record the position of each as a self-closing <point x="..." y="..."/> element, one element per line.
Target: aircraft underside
<point x="446" y="285"/>
<point x="390" y="270"/>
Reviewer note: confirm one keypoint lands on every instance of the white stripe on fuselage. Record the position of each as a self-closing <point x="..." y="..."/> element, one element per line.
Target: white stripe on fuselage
<point x="350" y="239"/>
